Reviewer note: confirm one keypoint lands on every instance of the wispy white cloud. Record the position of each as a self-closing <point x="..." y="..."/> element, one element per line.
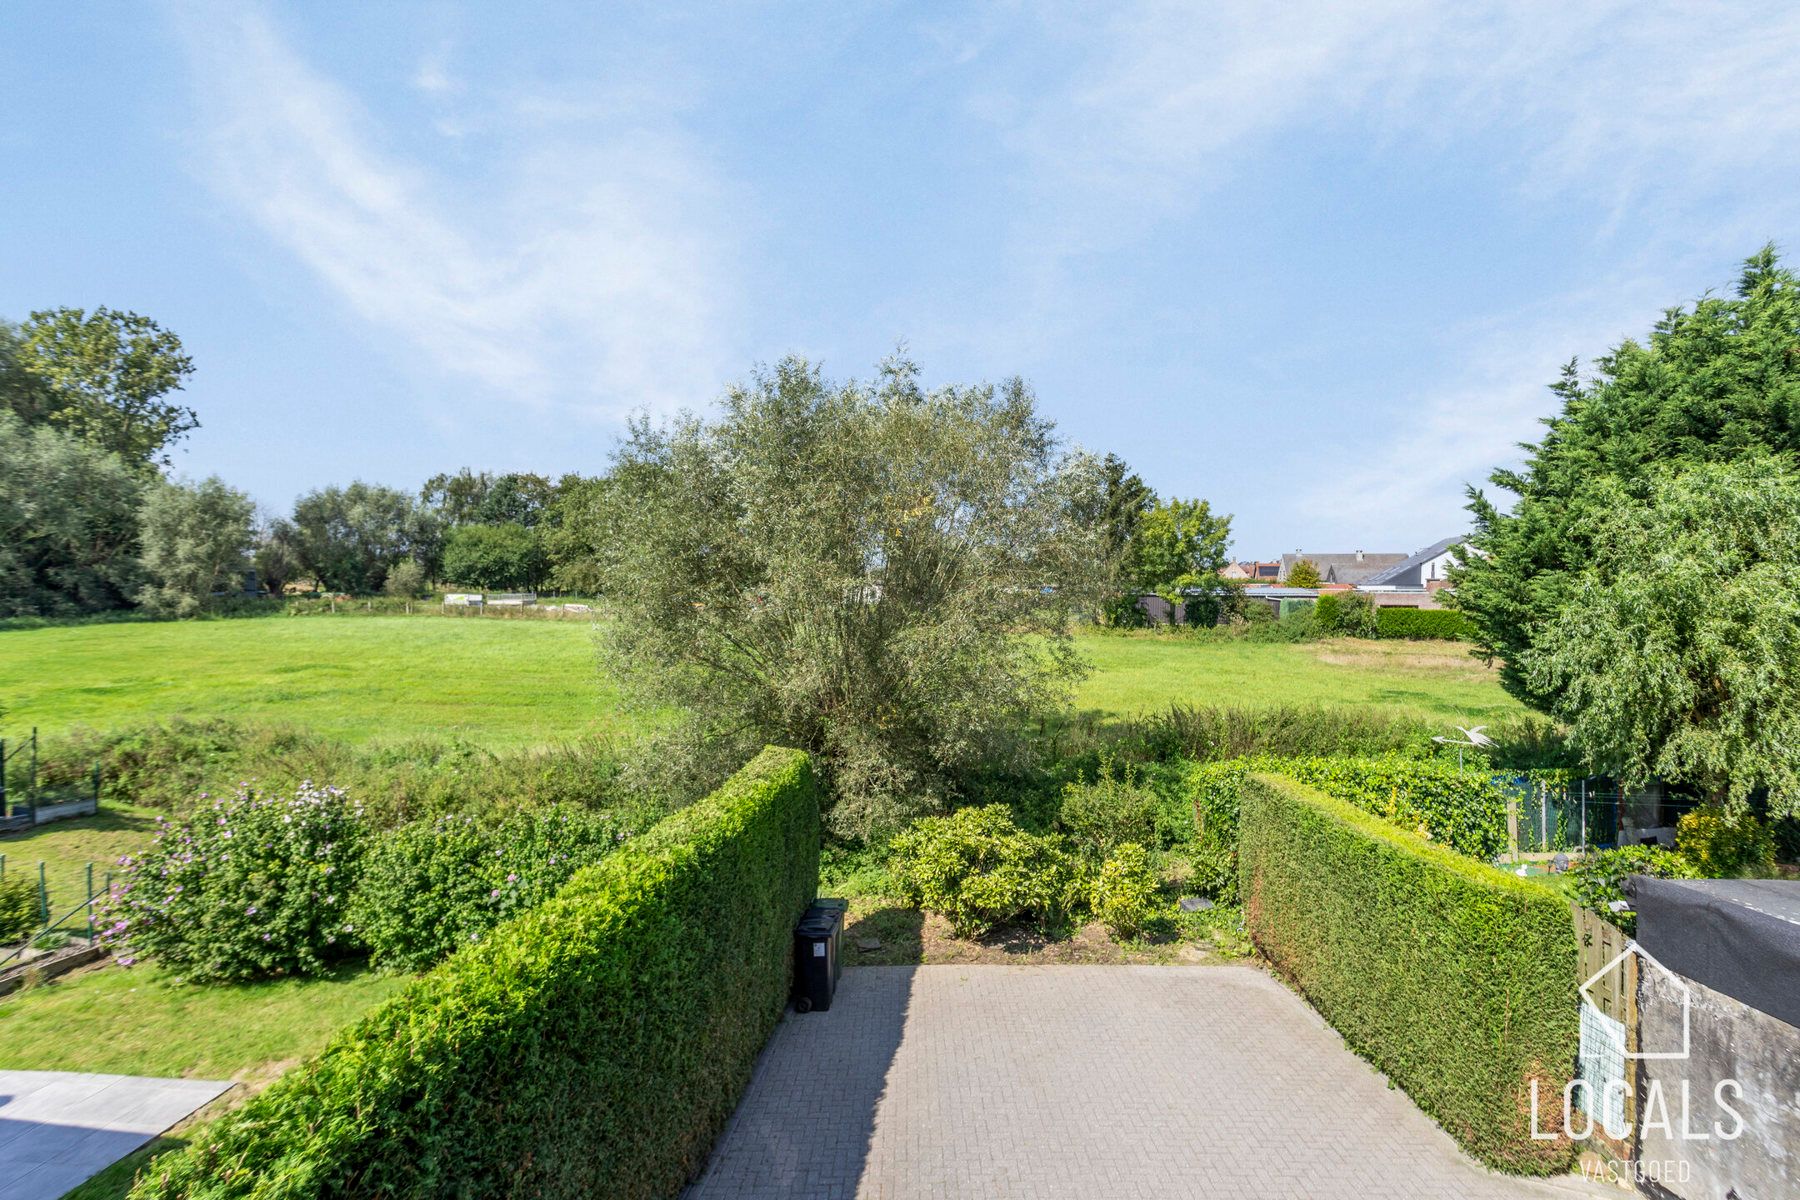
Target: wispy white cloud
<point x="1410" y="482"/>
<point x="592" y="278"/>
<point x="1669" y="119"/>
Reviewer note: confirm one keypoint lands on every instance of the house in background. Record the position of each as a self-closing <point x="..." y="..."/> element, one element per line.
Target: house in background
<point x="1415" y="581"/>
<point x="1253" y="572"/>
<point x="1351" y="568"/>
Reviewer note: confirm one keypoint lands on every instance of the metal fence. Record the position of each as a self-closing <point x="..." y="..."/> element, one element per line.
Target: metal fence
<point x="25" y="800"/>
<point x="1547" y="815"/>
<point x="75" y="920"/>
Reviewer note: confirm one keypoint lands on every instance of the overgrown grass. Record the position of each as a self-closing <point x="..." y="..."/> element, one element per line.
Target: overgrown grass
<point x="142" y="1021"/>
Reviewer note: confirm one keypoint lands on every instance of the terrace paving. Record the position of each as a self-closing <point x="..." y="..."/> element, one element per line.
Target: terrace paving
<point x="1083" y="1082"/>
<point x="59" y="1128"/>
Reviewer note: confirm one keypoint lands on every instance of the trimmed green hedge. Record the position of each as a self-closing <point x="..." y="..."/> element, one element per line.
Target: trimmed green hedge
<point x="1422" y="623"/>
<point x="593" y="1046"/>
<point x="1464" y="810"/>
<point x="1454" y="978"/>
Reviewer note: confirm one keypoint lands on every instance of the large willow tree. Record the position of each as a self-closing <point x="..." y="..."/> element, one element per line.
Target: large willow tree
<point x="1642" y="586"/>
<point x="878" y="574"/>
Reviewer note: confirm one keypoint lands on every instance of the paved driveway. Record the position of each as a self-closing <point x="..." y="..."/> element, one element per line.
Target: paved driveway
<point x="1082" y="1082"/>
<point x="58" y="1129"/>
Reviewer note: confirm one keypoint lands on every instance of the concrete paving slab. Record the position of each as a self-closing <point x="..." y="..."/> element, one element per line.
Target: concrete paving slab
<point x="1081" y="1082"/>
<point x="59" y="1128"/>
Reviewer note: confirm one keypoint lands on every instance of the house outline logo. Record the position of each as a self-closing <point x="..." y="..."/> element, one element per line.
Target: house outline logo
<point x="1632" y="949"/>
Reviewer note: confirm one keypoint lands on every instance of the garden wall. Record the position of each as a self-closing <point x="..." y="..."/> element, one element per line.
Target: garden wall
<point x="593" y="1046"/>
<point x="1455" y="979"/>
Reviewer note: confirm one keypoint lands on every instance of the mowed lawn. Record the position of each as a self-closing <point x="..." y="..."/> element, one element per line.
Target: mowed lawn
<point x="1436" y="681"/>
<point x="501" y="683"/>
<point x="513" y="683"/>
<point x="143" y="1021"/>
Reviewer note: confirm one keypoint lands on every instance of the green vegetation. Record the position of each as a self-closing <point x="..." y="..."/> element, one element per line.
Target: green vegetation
<point x="1455" y="979"/>
<point x="252" y="885"/>
<point x="501" y="684"/>
<point x="1641" y="587"/>
<point x="1598" y="879"/>
<point x="1678" y="662"/>
<point x="854" y="570"/>
<point x="433" y="886"/>
<point x="977" y="868"/>
<point x="593" y="1046"/>
<point x="66" y="848"/>
<point x="144" y="1021"/>
<point x="1137" y="673"/>
<point x="1723" y="843"/>
<point x="1419" y="624"/>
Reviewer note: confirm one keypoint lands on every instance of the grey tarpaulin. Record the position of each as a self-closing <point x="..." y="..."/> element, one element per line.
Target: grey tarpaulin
<point x="1737" y="936"/>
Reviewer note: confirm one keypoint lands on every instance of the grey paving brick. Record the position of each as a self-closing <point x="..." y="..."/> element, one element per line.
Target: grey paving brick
<point x="1047" y="1082"/>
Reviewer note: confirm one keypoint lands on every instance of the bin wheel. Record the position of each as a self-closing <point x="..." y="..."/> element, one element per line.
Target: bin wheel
<point x="803" y="1004"/>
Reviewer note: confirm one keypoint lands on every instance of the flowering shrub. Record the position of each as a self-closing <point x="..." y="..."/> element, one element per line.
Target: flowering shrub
<point x="434" y="885"/>
<point x="247" y="886"/>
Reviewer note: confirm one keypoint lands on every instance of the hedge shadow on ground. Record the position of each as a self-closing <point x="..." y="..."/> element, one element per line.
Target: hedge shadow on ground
<point x="820" y="1144"/>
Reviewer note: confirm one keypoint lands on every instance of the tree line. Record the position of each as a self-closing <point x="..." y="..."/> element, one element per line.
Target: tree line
<point x="92" y="520"/>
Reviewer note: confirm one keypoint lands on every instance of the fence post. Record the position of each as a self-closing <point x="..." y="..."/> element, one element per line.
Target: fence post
<point x="43" y="895"/>
<point x="2" y="777"/>
<point x="90" y="901"/>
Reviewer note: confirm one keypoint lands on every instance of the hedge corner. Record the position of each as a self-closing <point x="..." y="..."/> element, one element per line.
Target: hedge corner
<point x="1454" y="978"/>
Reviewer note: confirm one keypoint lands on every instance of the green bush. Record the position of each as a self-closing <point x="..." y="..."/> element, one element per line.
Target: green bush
<point x="1421" y="624"/>
<point x="1455" y="979"/>
<point x="501" y="557"/>
<point x="1125" y="893"/>
<point x="248" y="886"/>
<point x="19" y="911"/>
<point x="1599" y="878"/>
<point x="1215" y="789"/>
<point x="1725" y="845"/>
<point x="1348" y="613"/>
<point x="593" y="1046"/>
<point x="432" y="886"/>
<point x="1113" y="809"/>
<point x="980" y="870"/>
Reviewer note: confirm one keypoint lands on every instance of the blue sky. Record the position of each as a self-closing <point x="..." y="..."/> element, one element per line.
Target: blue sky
<point x="1315" y="265"/>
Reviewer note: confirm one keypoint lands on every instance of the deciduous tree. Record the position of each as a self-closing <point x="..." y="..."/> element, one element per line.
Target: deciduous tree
<point x="68" y="524"/>
<point x="108" y="374"/>
<point x="195" y="541"/>
<point x="878" y="574"/>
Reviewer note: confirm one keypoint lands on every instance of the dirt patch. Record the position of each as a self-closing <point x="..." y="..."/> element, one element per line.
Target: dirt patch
<point x="885" y="932"/>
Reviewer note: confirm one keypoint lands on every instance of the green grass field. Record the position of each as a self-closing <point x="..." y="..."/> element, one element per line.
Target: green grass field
<point x="503" y="684"/>
<point x="1435" y="681"/>
<point x="510" y="684"/>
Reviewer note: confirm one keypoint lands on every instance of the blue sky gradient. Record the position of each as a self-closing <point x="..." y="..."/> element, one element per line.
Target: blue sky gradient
<point x="1312" y="264"/>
